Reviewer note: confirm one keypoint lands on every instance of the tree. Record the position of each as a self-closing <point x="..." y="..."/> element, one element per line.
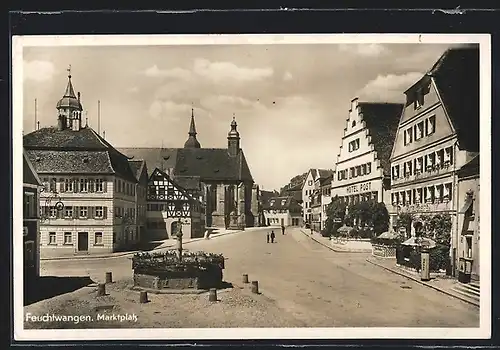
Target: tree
<point x="380" y="218"/>
<point x="405" y="220"/>
<point x="438" y="227"/>
<point x="334" y="210"/>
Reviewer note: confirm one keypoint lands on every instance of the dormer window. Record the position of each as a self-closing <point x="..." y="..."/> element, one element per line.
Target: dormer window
<point x="271" y="203"/>
<point x="419" y="99"/>
<point x="283" y="201"/>
<point x="353" y="123"/>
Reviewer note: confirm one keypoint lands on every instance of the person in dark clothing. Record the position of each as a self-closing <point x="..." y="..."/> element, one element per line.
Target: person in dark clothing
<point x="272" y="236"/>
<point x="268" y="237"/>
<point x="282" y="229"/>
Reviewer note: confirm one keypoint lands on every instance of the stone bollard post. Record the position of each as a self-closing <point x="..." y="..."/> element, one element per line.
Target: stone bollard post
<point x="212" y="296"/>
<point x="101" y="289"/>
<point x="245" y="278"/>
<point x="255" y="287"/>
<point x="109" y="277"/>
<point x="143" y="297"/>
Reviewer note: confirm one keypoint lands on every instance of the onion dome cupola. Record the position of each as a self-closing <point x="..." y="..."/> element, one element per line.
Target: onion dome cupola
<point x="192" y="142"/>
<point x="70" y="108"/>
<point x="233" y="139"/>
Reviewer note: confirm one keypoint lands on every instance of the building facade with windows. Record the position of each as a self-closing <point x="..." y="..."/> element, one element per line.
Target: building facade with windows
<point x="362" y="167"/>
<point x="283" y="211"/>
<point x="220" y="177"/>
<point x="310" y="186"/>
<point x="438" y="133"/>
<point x="468" y="215"/>
<point x="326" y="197"/>
<point x="31" y="220"/>
<point x="169" y="205"/>
<point x="89" y="198"/>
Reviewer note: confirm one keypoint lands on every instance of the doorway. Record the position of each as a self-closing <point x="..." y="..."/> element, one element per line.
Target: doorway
<point x="83" y="241"/>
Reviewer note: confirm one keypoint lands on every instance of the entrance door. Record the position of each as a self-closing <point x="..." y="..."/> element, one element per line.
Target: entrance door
<point x="83" y="241"/>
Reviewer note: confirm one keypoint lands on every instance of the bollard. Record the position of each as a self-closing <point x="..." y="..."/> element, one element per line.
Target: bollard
<point x="143" y="297"/>
<point x="109" y="277"/>
<point x="101" y="289"/>
<point x="245" y="278"/>
<point x="212" y="296"/>
<point x="255" y="287"/>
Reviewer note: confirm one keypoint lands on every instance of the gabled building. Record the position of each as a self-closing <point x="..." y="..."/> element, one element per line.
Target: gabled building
<point x="89" y="198"/>
<point x="169" y="205"/>
<point x="326" y="197"/>
<point x="310" y="185"/>
<point x="363" y="168"/>
<point x="219" y="177"/>
<point x="438" y="133"/>
<point x="283" y="211"/>
<point x="468" y="214"/>
<point x="31" y="220"/>
<point x="139" y="168"/>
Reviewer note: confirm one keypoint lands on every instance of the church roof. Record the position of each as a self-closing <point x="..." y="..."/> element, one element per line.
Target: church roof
<point x="381" y="120"/>
<point x="209" y="164"/>
<point x="136" y="166"/>
<point x="75" y="152"/>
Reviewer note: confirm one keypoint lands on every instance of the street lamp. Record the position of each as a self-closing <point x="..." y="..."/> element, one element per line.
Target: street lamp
<point x="52" y="196"/>
<point x="179" y="240"/>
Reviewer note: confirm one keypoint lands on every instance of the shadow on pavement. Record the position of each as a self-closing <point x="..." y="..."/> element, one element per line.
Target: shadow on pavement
<point x="46" y="287"/>
<point x="226" y="285"/>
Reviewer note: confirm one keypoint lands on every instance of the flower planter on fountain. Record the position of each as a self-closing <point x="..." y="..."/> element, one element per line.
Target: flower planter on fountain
<point x="177" y="269"/>
<point x="195" y="270"/>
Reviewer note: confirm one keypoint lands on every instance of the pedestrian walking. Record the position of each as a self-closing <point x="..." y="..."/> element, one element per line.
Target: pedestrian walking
<point x="268" y="237"/>
<point x="282" y="229"/>
<point x="272" y="236"/>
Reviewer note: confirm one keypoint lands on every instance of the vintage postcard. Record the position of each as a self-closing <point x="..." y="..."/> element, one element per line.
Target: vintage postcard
<point x="251" y="186"/>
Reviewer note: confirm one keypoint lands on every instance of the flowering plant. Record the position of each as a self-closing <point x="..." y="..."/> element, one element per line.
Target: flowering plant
<point x="168" y="260"/>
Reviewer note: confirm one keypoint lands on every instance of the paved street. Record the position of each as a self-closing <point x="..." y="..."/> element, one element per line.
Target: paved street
<point x="318" y="286"/>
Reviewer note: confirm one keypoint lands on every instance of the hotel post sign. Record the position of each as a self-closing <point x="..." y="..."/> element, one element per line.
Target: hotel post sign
<point x="359" y="188"/>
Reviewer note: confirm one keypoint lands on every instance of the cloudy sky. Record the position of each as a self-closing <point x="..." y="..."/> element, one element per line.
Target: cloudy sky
<point x="290" y="101"/>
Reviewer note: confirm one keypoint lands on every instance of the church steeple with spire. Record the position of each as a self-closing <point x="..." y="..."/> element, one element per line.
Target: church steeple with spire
<point x="69" y="108"/>
<point x="233" y="139"/>
<point x="192" y="142"/>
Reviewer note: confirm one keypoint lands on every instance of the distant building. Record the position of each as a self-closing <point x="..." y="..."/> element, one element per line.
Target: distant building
<point x="438" y="134"/>
<point x="468" y="214"/>
<point x="31" y="223"/>
<point x="264" y="197"/>
<point x="220" y="177"/>
<point x="169" y="205"/>
<point x="326" y="197"/>
<point x="294" y="190"/>
<point x="92" y="193"/>
<point x="311" y="183"/>
<point x="362" y="169"/>
<point x="283" y="211"/>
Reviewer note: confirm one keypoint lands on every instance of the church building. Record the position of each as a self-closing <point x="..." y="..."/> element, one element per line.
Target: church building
<point x="218" y="177"/>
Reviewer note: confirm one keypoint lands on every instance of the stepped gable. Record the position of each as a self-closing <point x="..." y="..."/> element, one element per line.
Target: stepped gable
<point x="382" y="120"/>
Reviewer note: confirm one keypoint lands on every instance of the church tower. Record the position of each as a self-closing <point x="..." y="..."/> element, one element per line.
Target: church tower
<point x="192" y="142"/>
<point x="233" y="140"/>
<point x="69" y="108"/>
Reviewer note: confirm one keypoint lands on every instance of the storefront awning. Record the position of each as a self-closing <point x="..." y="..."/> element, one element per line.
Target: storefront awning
<point x="467" y="204"/>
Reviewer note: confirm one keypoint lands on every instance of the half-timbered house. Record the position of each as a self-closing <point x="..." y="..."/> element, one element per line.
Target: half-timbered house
<point x="169" y="205"/>
<point x="219" y="177"/>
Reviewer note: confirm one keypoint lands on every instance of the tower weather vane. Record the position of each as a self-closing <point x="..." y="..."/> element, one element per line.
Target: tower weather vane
<point x="69" y="70"/>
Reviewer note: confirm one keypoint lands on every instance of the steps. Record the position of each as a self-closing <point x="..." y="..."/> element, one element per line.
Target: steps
<point x="469" y="291"/>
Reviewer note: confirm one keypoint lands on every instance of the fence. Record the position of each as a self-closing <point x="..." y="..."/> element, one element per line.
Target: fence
<point x="383" y="251"/>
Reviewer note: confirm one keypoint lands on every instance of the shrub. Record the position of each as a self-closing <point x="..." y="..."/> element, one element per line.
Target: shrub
<point x="439" y="258"/>
<point x="365" y="233"/>
<point x="325" y="233"/>
<point x="386" y="241"/>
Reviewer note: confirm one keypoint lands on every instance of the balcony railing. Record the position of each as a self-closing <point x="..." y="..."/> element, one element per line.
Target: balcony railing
<point x="429" y="172"/>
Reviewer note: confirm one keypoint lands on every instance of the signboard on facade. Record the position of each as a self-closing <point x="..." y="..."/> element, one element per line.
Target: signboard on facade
<point x="359" y="188"/>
